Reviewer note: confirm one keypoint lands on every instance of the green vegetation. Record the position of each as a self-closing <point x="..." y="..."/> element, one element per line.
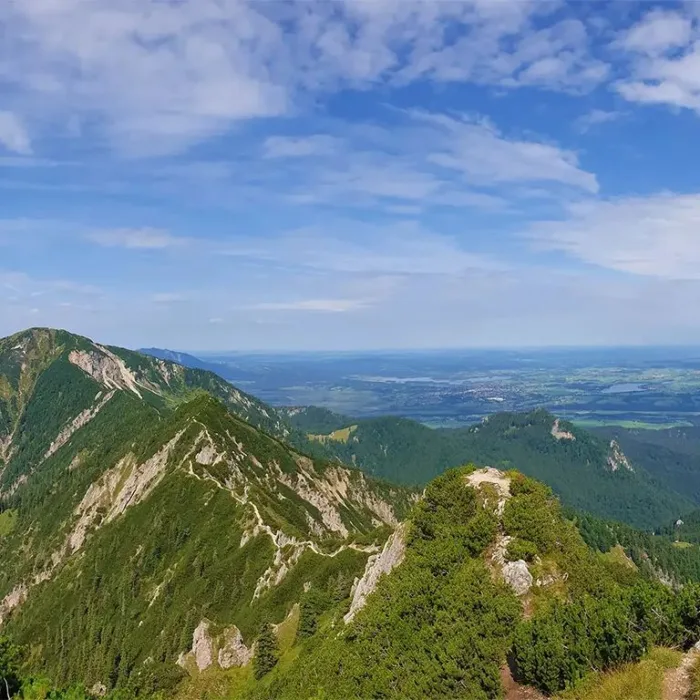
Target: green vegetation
<point x="437" y="627"/>
<point x="578" y="470"/>
<point x="8" y="520"/>
<point x="640" y="681"/>
<point x="653" y="555"/>
<point x="9" y="668"/>
<point x="266" y="652"/>
<point x="563" y="642"/>
<point x="188" y="540"/>
<point x="312" y="419"/>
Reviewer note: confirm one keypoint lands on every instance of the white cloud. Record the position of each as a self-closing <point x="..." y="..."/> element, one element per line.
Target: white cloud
<point x="424" y="160"/>
<point x="136" y="238"/>
<point x="23" y="289"/>
<point x="596" y="117"/>
<point x="656" y="236"/>
<point x="168" y="297"/>
<point x="356" y="248"/>
<point x="13" y="135"/>
<point x="158" y="77"/>
<point x="664" y="60"/>
<point x="503" y="47"/>
<point x="484" y="156"/>
<point x="658" y="32"/>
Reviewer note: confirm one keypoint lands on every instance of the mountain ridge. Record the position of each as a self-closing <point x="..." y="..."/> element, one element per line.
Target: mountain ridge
<point x="159" y="534"/>
<point x="109" y="456"/>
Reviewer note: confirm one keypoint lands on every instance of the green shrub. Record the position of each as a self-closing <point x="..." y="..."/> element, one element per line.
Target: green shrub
<point x="519" y="548"/>
<point x="313" y="604"/>
<point x="266" y="652"/>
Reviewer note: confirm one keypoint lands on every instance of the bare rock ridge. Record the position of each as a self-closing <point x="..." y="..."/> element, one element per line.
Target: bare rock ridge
<point x="497" y="479"/>
<point x="105" y="368"/>
<point x="517" y="575"/>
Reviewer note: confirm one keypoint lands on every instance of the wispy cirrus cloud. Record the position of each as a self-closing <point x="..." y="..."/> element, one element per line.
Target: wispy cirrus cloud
<point x="654" y="236"/>
<point x="300" y="147"/>
<point x="314" y="305"/>
<point x="486" y="157"/>
<point x="400" y="249"/>
<point x="427" y="160"/>
<point x="596" y="117"/>
<point x="136" y="238"/>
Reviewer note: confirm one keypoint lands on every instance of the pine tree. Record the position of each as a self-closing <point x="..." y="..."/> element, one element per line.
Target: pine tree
<point x="9" y="668"/>
<point x="266" y="652"/>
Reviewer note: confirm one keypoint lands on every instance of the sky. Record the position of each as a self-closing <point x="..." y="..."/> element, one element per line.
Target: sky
<point x="239" y="175"/>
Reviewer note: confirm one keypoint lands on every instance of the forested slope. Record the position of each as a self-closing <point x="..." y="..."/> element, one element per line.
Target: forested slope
<point x="587" y="471"/>
<point x="137" y="509"/>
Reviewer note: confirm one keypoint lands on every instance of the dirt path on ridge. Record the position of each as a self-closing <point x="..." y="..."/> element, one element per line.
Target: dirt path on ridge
<point x="677" y="680"/>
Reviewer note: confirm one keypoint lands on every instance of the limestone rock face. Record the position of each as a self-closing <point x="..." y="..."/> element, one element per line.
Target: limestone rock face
<point x="377" y="565"/>
<point x="202" y="646"/>
<point x="226" y="649"/>
<point x="518" y="576"/>
<point x="233" y="651"/>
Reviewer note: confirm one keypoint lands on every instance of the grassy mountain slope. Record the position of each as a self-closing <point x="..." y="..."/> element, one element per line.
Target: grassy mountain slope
<point x="138" y="505"/>
<point x="587" y="471"/>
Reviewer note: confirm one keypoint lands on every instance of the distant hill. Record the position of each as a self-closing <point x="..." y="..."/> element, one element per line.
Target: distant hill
<point x="229" y="372"/>
<point x="588" y="471"/>
<point x="181" y="358"/>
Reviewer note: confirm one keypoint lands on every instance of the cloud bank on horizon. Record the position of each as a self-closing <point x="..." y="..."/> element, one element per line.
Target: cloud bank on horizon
<point x="223" y="174"/>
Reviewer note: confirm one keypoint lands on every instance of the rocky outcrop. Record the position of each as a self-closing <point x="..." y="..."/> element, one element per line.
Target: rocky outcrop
<point x="233" y="651"/>
<point x="330" y="491"/>
<point x="495" y="478"/>
<point x="617" y="458"/>
<point x="515" y="573"/>
<point x="124" y="485"/>
<point x="15" y="597"/>
<point x="518" y="576"/>
<point x="108" y="369"/>
<point x="202" y="646"/>
<point x="226" y="650"/>
<point x="320" y="495"/>
<point x="559" y="434"/>
<point x="99" y="690"/>
<point x="377" y="565"/>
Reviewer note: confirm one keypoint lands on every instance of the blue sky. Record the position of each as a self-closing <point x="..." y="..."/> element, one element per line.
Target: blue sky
<point x="223" y="174"/>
